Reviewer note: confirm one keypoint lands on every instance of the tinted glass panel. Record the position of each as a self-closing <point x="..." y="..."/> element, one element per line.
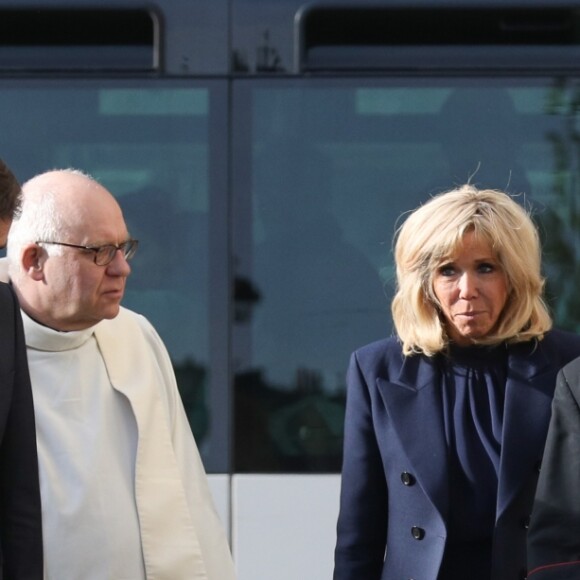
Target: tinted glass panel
<point x="325" y="170"/>
<point x="151" y="148"/>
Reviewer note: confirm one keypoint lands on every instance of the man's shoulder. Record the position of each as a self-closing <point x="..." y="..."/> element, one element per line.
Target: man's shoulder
<point x="566" y="346"/>
<point x="126" y="315"/>
<point x="127" y="322"/>
<point x="129" y="333"/>
<point x="572" y="371"/>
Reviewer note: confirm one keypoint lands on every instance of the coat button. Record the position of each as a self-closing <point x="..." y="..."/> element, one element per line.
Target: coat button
<point x="417" y="532"/>
<point x="526" y="522"/>
<point x="407" y="478"/>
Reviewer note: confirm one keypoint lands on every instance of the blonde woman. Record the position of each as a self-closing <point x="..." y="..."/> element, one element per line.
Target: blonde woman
<point x="446" y="422"/>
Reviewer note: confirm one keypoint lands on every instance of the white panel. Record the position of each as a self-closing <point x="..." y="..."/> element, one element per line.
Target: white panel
<point x="219" y="485"/>
<point x="284" y="526"/>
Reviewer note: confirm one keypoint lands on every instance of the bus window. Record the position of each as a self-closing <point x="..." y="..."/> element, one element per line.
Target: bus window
<point x="149" y="144"/>
<point x="333" y="167"/>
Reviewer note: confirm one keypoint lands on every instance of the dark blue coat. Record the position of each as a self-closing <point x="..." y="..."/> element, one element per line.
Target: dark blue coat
<point x="20" y="516"/>
<point x="394" y="495"/>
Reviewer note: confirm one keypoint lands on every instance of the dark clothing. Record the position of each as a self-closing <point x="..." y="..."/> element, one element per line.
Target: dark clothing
<point x="554" y="535"/>
<point x="419" y="432"/>
<point x="473" y="390"/>
<point x="20" y="516"/>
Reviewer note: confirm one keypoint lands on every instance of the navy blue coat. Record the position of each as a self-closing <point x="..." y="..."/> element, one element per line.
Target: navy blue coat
<point x="394" y="493"/>
<point x="20" y="514"/>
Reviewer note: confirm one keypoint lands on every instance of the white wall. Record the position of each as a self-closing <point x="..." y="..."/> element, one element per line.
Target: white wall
<point x="219" y="485"/>
<point x="282" y="527"/>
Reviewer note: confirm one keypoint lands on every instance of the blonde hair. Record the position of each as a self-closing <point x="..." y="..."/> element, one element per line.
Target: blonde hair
<point x="432" y="234"/>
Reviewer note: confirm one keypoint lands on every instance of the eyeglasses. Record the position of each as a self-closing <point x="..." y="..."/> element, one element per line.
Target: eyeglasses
<point x="105" y="254"/>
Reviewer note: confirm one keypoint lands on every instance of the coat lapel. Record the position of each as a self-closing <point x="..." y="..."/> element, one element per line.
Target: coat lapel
<point x="414" y="405"/>
<point x="529" y="390"/>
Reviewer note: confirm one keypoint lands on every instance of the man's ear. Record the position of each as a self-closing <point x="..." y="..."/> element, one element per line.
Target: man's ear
<point x="33" y="258"/>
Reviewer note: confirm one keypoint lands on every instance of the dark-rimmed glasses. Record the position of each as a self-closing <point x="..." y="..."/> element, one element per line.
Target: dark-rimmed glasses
<point x="104" y="254"/>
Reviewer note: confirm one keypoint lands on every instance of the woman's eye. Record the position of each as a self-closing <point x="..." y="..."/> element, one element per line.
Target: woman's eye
<point x="447" y="270"/>
<point x="486" y="268"/>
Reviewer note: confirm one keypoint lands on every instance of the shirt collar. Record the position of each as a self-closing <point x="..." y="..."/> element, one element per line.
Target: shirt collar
<point x="40" y="337"/>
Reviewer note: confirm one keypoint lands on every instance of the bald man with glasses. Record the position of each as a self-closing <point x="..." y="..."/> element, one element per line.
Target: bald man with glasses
<point x="123" y="489"/>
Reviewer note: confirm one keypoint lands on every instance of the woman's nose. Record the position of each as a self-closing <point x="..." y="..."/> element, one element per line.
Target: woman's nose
<point x="467" y="286"/>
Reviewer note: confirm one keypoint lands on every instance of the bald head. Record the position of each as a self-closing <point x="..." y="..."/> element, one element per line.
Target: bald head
<point x="52" y="264"/>
<point x="58" y="205"/>
<point x="73" y="197"/>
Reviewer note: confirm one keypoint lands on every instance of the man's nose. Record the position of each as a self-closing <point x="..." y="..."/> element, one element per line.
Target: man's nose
<point x="119" y="266"/>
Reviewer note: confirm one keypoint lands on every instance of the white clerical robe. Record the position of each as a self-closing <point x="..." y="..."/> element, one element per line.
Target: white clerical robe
<point x="124" y="491"/>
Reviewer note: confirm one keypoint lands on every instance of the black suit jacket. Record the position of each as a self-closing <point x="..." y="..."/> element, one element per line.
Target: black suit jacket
<point x="394" y="494"/>
<point x="554" y="536"/>
<point x="20" y="514"/>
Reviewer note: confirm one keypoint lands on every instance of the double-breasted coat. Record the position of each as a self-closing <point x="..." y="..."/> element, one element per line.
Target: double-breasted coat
<point x="394" y="493"/>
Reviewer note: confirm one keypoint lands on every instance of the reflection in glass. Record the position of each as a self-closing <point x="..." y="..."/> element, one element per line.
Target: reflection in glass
<point x="334" y="166"/>
<point x="149" y="147"/>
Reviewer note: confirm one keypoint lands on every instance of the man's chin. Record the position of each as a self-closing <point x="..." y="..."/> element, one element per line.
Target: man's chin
<point x="111" y="312"/>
